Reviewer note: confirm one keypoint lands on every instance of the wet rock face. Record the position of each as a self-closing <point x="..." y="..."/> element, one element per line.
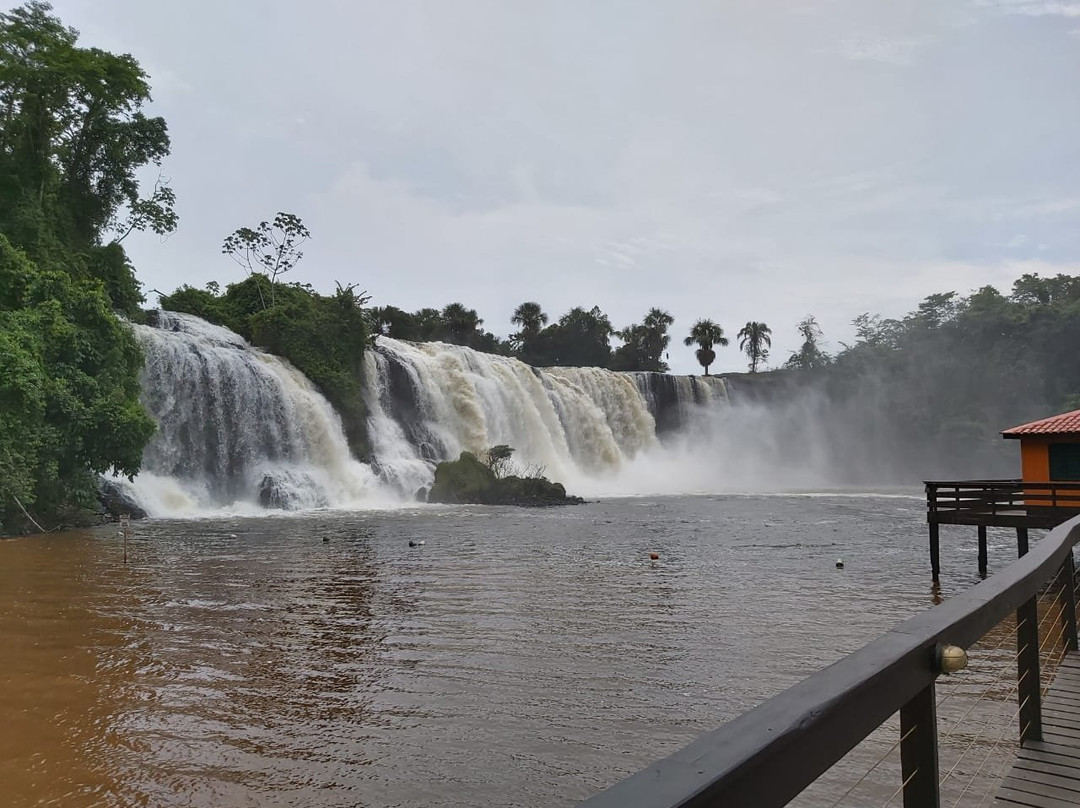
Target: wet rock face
<point x="289" y="492"/>
<point x="116" y="501"/>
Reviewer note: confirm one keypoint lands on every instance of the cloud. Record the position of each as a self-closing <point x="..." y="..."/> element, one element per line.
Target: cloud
<point x="897" y="52"/>
<point x="1033" y="8"/>
<point x="739" y="160"/>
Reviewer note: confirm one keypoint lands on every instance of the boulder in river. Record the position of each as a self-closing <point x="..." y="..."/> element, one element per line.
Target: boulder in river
<point x="115" y="500"/>
<point x="469" y="481"/>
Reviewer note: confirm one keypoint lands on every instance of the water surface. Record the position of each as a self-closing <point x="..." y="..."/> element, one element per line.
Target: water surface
<point x="518" y="657"/>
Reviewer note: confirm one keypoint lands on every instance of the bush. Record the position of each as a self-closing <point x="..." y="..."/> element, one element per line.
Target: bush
<point x="469" y="481"/>
<point x="69" y="386"/>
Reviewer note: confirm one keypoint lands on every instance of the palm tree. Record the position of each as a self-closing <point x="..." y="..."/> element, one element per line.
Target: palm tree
<point x="755" y="340"/>
<point x="460" y="322"/>
<point x="531" y="318"/>
<point x="706" y="334"/>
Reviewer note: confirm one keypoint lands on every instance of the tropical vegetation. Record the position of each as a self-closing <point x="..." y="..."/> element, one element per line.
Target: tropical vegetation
<point x="755" y="340"/>
<point x="706" y="334"/>
<point x="810" y="355"/>
<point x="74" y="141"/>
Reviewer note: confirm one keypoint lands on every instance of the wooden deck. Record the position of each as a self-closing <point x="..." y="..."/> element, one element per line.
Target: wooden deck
<point x="1046" y="773"/>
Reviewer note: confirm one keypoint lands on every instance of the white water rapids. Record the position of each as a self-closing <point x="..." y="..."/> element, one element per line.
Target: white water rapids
<point x="240" y="430"/>
<point x="236" y="425"/>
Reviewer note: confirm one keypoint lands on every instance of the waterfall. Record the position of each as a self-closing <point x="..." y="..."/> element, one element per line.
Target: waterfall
<point x="237" y="426"/>
<point x="430" y="401"/>
<point x="675" y="400"/>
<point x="240" y="429"/>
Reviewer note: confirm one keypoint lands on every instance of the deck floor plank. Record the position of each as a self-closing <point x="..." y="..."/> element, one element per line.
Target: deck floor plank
<point x="1046" y="773"/>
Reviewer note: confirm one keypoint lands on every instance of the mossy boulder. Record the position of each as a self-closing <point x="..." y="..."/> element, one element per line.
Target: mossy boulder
<point x="465" y="480"/>
<point x="469" y="481"/>
<point x="532" y="491"/>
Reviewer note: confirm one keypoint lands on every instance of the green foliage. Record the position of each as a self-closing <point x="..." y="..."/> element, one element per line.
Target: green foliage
<point x="497" y="458"/>
<point x="271" y="249"/>
<point x="644" y="344"/>
<point x="69" y="404"/>
<point x="755" y="339"/>
<point x="467" y="480"/>
<point x="706" y="334"/>
<point x="579" y="339"/>
<point x="72" y="137"/>
<point x="454" y="324"/>
<point x="810" y="356"/>
<point x="531" y="319"/>
<point x="464" y="480"/>
<point x="200" y="302"/>
<point x="942" y="382"/>
<point x="110" y="265"/>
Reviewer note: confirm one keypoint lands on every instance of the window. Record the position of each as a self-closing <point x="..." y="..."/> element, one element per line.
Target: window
<point x="1065" y="461"/>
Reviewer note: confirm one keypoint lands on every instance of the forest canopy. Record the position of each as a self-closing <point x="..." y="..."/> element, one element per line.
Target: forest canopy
<point x="73" y="141"/>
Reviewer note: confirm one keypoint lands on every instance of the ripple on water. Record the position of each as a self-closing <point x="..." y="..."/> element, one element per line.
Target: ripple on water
<point x="519" y="657"/>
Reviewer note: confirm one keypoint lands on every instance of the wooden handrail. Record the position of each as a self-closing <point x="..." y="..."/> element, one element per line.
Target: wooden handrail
<point x="768" y="755"/>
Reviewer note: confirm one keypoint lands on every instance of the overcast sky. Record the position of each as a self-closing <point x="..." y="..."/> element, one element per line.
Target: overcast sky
<point x="730" y="159"/>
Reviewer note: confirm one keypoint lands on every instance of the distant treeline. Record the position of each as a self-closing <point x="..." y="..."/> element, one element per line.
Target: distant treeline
<point x="936" y="387"/>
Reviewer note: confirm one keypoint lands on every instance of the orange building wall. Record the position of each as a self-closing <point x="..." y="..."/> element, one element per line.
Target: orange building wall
<point x="1034" y="460"/>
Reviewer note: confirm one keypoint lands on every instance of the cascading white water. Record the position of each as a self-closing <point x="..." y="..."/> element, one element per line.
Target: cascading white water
<point x="431" y="401"/>
<point x="237" y="427"/>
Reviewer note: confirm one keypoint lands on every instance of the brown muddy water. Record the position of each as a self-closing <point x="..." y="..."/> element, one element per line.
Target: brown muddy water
<point x="516" y="658"/>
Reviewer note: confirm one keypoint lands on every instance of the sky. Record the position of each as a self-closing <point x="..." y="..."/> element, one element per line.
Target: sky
<point x="730" y="159"/>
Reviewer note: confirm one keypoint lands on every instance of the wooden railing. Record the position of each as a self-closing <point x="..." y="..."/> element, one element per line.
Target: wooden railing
<point x="1007" y="503"/>
<point x="767" y="756"/>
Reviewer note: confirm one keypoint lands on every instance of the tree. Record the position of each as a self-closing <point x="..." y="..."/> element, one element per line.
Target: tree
<point x="72" y="137"/>
<point x="1032" y="290"/>
<point x="644" y="344"/>
<point x="156" y="213"/>
<point x="460" y="323"/>
<point x="531" y="319"/>
<point x="497" y="458"/>
<point x="73" y="143"/>
<point x="579" y="339"/>
<point x="69" y="406"/>
<point x="271" y="249"/>
<point x="810" y="355"/>
<point x="935" y="310"/>
<point x="755" y="339"/>
<point x="706" y="334"/>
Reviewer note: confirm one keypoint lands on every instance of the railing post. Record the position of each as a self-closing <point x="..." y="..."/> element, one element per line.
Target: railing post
<point x="1021" y="542"/>
<point x="1068" y="594"/>
<point x="935" y="551"/>
<point x="1027" y="670"/>
<point x="982" y="550"/>
<point x="919" y="750"/>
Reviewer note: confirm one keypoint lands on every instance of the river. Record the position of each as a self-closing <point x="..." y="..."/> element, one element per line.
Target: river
<point x="516" y="657"/>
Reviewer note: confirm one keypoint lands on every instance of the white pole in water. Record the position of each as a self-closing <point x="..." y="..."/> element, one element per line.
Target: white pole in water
<point x="125" y="528"/>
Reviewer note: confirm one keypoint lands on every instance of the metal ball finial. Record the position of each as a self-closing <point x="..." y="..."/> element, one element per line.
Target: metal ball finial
<point x="951" y="658"/>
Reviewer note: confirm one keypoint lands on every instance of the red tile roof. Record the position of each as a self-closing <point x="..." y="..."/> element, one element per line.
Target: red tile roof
<point x="1068" y="423"/>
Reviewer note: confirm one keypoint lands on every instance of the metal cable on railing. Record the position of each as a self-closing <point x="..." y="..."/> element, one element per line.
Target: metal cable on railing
<point x="836" y="735"/>
<point x="980" y="691"/>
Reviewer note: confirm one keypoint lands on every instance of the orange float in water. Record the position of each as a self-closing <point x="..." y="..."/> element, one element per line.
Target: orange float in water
<point x="654" y="556"/>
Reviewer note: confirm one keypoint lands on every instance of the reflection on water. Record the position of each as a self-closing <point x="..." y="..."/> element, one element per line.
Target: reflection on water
<point x="519" y="657"/>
